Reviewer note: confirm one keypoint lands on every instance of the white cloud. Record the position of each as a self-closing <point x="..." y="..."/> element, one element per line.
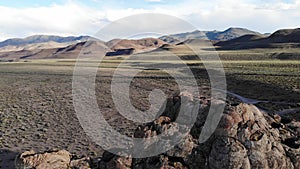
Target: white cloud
<point x="221" y="14"/>
<point x="154" y="0"/>
<point x="76" y="19"/>
<point x="67" y="19"/>
<point x="144" y="24"/>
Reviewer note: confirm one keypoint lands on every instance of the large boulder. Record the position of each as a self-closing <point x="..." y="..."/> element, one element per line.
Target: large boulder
<point x="245" y="138"/>
<point x="54" y="159"/>
<point x="51" y="160"/>
<point x="175" y="157"/>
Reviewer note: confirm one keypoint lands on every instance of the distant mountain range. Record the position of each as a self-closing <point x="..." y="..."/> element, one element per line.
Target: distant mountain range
<point x="228" y="34"/>
<point x="114" y="48"/>
<point x="42" y="39"/>
<point x="47" y="47"/>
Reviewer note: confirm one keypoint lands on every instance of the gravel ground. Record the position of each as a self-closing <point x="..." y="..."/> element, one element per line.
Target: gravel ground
<point x="36" y="106"/>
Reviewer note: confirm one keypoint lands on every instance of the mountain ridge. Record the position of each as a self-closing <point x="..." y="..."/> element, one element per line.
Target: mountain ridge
<point x="228" y="34"/>
<point x="42" y="39"/>
<point x="279" y="38"/>
<point x="70" y="47"/>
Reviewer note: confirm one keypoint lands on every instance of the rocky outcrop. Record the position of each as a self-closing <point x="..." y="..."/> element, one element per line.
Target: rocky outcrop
<point x="110" y="161"/>
<point x="51" y="160"/>
<point x="246" y="137"/>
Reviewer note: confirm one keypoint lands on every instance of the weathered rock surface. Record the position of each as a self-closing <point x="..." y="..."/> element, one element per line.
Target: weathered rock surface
<point x="50" y="160"/>
<point x="245" y="137"/>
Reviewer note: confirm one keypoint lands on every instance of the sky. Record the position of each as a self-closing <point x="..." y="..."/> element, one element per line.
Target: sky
<point x="77" y="17"/>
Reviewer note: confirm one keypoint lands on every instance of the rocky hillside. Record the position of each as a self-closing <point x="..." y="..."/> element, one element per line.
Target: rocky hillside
<point x="246" y="137"/>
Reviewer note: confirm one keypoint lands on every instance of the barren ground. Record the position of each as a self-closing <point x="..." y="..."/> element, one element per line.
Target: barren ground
<point x="36" y="107"/>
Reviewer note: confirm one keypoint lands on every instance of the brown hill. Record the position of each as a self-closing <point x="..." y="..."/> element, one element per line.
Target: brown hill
<point x="43" y="39"/>
<point x="279" y="39"/>
<point x="113" y="48"/>
<point x="44" y="45"/>
<point x="69" y="52"/>
<point x="242" y="39"/>
<point x="285" y="36"/>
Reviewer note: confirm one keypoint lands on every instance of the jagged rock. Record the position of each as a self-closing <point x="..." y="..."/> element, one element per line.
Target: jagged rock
<point x="182" y="101"/>
<point x="183" y="149"/>
<point x="252" y="129"/>
<point x="55" y="159"/>
<point x="170" y="132"/>
<point x="119" y="163"/>
<point x="228" y="153"/>
<point x="159" y="162"/>
<point x="176" y="156"/>
<point x="112" y="161"/>
<point x="246" y="137"/>
<point x="295" y="126"/>
<point x="83" y="163"/>
<point x="50" y="160"/>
